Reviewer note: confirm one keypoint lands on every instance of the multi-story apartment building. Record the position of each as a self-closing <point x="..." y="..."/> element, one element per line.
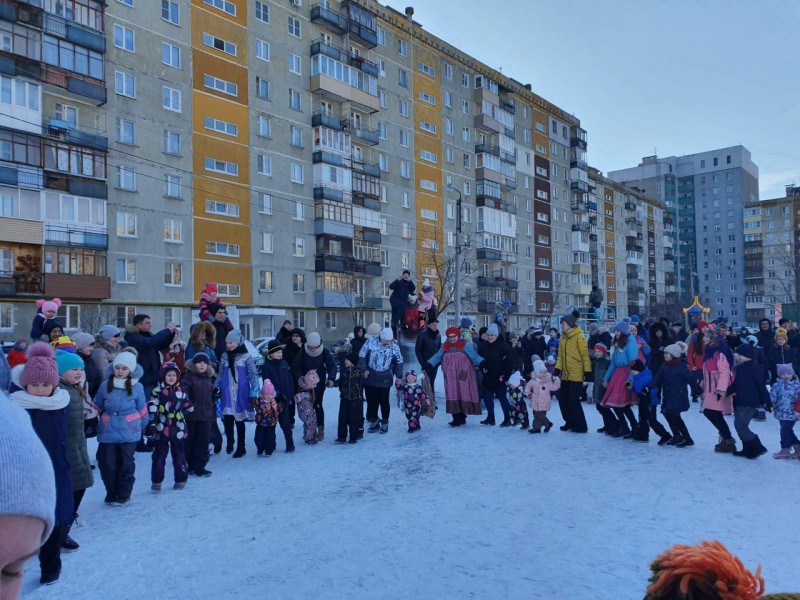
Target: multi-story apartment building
<point x="771" y="254"/>
<point x="707" y="192"/>
<point x="298" y="155"/>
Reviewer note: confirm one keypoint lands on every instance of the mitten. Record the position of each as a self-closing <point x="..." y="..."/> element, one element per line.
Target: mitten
<point x="255" y="392"/>
<point x="150" y="430"/>
<point x="556" y="373"/>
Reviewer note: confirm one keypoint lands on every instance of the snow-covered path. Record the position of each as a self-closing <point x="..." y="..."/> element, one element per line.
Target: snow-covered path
<point x="474" y="512"/>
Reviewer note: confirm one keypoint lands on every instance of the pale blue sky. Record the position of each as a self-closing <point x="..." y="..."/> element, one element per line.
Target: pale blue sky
<point x="684" y="76"/>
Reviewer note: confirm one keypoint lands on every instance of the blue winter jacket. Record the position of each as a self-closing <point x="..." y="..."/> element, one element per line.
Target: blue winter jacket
<point x="280" y="374"/>
<point x="642" y="387"/>
<point x="122" y="417"/>
<point x="384" y="363"/>
<point x="784" y="396"/>
<point x="674" y="378"/>
<point x="622" y="357"/>
<point x="749" y="386"/>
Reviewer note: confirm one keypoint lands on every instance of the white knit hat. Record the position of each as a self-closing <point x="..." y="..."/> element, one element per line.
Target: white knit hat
<point x="27" y="481"/>
<point x="387" y="334"/>
<point x="676" y="350"/>
<point x="373" y="329"/>
<point x="539" y="367"/>
<point x="515" y="379"/>
<point x="126" y="359"/>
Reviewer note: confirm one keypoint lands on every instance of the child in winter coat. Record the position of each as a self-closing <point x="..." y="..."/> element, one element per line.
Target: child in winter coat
<point x="750" y="392"/>
<point x="267" y="411"/>
<point x="198" y="383"/>
<point x="209" y="297"/>
<point x="600" y="363"/>
<point x="674" y="379"/>
<point x="415" y="400"/>
<point x="540" y="389"/>
<point x="168" y="406"/>
<point x="411" y="318"/>
<point x="641" y="383"/>
<point x="279" y="373"/>
<point x="45" y="320"/>
<point x="518" y="410"/>
<point x="238" y="384"/>
<point x="785" y="393"/>
<point x="427" y="303"/>
<point x="48" y="407"/>
<point x="550" y="363"/>
<point x="16" y="356"/>
<point x="70" y="369"/>
<point x="304" y="398"/>
<point x="351" y="401"/>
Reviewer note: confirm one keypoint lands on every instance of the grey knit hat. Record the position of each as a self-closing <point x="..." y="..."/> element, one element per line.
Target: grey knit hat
<point x="27" y="481"/>
<point x="234" y="336"/>
<point x="82" y="339"/>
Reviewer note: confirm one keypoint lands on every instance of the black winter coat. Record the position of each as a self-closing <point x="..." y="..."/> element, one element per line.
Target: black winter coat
<point x="93" y="377"/>
<point x="200" y="389"/>
<point x="777" y="355"/>
<point x="280" y="374"/>
<point x="428" y="344"/>
<point x="497" y="364"/>
<point x="148" y="346"/>
<point x="766" y="339"/>
<point x="749" y="386"/>
<point x="401" y="290"/>
<point x="51" y="427"/>
<point x="673" y="378"/>
<point x="323" y="364"/>
<point x="656" y="347"/>
<point x="534" y="345"/>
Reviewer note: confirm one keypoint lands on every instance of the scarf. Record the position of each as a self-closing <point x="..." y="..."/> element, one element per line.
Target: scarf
<point x="316" y="352"/>
<point x="58" y="400"/>
<point x="232" y="360"/>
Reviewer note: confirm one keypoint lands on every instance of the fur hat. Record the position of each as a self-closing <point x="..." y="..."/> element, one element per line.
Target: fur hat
<point x="48" y="305"/>
<point x="623" y="326"/>
<point x="82" y="339"/>
<point x="492" y="330"/>
<point x="569" y="320"/>
<point x="781" y="332"/>
<point x="515" y="380"/>
<point x="601" y="347"/>
<point x="786" y="369"/>
<point x="125" y="359"/>
<point x="27" y="482"/>
<point x="41" y="366"/>
<point x="234" y="337"/>
<point x="387" y="334"/>
<point x="373" y="330"/>
<point x="637" y="366"/>
<point x="267" y="389"/>
<point x="676" y="350"/>
<point x="67" y="361"/>
<point x="109" y="331"/>
<point x="539" y="367"/>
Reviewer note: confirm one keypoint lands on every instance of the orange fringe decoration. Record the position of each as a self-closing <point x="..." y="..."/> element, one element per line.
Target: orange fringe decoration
<point x="707" y="571"/>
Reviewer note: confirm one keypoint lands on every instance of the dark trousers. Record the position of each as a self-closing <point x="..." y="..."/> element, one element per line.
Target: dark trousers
<point x="398" y="311"/>
<point x="50" y="552"/>
<point x="319" y="392"/>
<point x="351" y="417"/>
<point x="197" y="445"/>
<point x="229" y="421"/>
<point x="161" y="448"/>
<point x="718" y="421"/>
<point x="788" y="438"/>
<point x="117" y="468"/>
<point x="677" y="425"/>
<point x="648" y="418"/>
<point x="569" y="402"/>
<point x="265" y="439"/>
<point x="285" y="420"/>
<point x="742" y="415"/>
<point x="377" y="398"/>
<point x="77" y="498"/>
<point x="610" y="423"/>
<point x="624" y="416"/>
<point x="143" y="445"/>
<point x="540" y="420"/>
<point x="489" y="395"/>
<point x="215" y="435"/>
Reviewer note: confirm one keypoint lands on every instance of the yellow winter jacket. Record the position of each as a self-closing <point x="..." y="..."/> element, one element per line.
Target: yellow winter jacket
<point x="573" y="355"/>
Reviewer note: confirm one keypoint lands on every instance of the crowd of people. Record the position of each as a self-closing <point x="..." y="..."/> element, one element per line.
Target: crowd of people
<point x="140" y="390"/>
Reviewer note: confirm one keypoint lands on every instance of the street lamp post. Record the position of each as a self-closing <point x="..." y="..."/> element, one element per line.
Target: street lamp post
<point x="457" y="274"/>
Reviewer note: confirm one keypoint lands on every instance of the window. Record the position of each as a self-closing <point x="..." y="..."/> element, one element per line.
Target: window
<point x="226" y="209"/>
<point x="448" y="71"/>
<point x="330" y="319"/>
<point x="465" y="134"/>
<point x="295" y="64"/>
<point x="295" y="100"/>
<point x="126" y="179"/>
<point x="126" y="2"/>
<point x="426" y="126"/>
<point x="449" y="155"/>
<point x="448" y="126"/>
<point x="264" y="164"/>
<point x="173" y="231"/>
<point x="466" y="161"/>
<point x="403" y="108"/>
<point x="404" y="138"/>
<point x="296" y="136"/>
<point x="173" y="274"/>
<point x="171" y="99"/>
<point x="222" y="249"/>
<point x="262" y="50"/>
<point x="221" y="166"/>
<point x="299" y="247"/>
<point x="126" y="225"/>
<point x="427" y="69"/>
<point x="296" y="173"/>
<point x="265" y="281"/>
<point x="219" y="44"/>
<point x="384" y="225"/>
<point x="67" y="113"/>
<point x="428" y="156"/>
<point x="381" y="36"/>
<point x="126" y="270"/>
<point x="382" y="98"/>
<point x="465" y="107"/>
<point x="431" y="215"/>
<point x="405" y="170"/>
<point x="294" y="26"/>
<point x="448" y="99"/>
<point x="405" y="200"/>
<point x="170" y="12"/>
<point x="223" y="5"/>
<point x="228" y="290"/>
<point x="172" y="186"/>
<point x="425" y="97"/>
<point x="402" y="47"/>
<point x="56" y="51"/>
<point x="264" y="126"/>
<point x="427" y="184"/>
<point x="124" y="84"/>
<point x="170" y="55"/>
<point x="382" y="131"/>
<point x="403" y="78"/>
<point x="267" y="243"/>
<point x="123" y="38"/>
<point x="383" y="162"/>
<point x="225" y="127"/>
<point x="126" y="131"/>
<point x="465" y="80"/>
<point x="69" y="315"/>
<point x="262" y="11"/>
<point x="172" y="142"/>
<point x="220" y="85"/>
<point x="298" y="283"/>
<point x="265" y="204"/>
<point x="262" y="88"/>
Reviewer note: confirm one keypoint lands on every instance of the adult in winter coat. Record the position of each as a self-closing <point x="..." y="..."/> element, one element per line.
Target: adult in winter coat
<point x="315" y="356"/>
<point x="497" y="367"/>
<point x="296" y="342"/>
<point x="458" y="359"/>
<point x="222" y="327"/>
<point x="617" y="396"/>
<point x="659" y="339"/>
<point x="106" y="346"/>
<point x="48" y="408"/>
<point x="749" y="392"/>
<point x="781" y="353"/>
<point x="381" y="365"/>
<point x="285" y="332"/>
<point x="279" y="373"/>
<point x="765" y="333"/>
<point x="427" y="345"/>
<point x="717" y="379"/>
<point x="70" y="369"/>
<point x="148" y="345"/>
<point x="84" y="345"/>
<point x="678" y="333"/>
<point x="198" y="383"/>
<point x="203" y="338"/>
<point x="402" y="288"/>
<point x="673" y="380"/>
<point x="535" y="345"/>
<point x="45" y="320"/>
<point x="573" y="367"/>
<point x="238" y="384"/>
<point x="696" y="351"/>
<point x="359" y="339"/>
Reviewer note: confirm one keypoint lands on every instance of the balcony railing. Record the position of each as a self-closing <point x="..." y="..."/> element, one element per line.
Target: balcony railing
<point x="75" y="83"/>
<point x="368" y="168"/>
<point x="57" y="235"/>
<point x="579" y="186"/>
<point x="579" y="164"/>
<point x="630" y="206"/>
<point x="326" y="192"/>
<point x="322" y="118"/>
<point x="21" y="282"/>
<point x="508" y="106"/>
<point x="74" y="32"/>
<point x="362" y="23"/>
<point x="489" y="254"/>
<point x="576" y="142"/>
<point x="365" y="134"/>
<point x="582" y="227"/>
<point x="72" y="134"/>
<point x="580" y="207"/>
<point x="488" y="149"/>
<point x="332" y="18"/>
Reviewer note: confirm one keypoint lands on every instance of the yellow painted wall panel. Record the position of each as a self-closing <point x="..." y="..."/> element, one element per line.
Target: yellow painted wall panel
<point x="207" y="230"/>
<point x="206" y="64"/>
<point x="240" y="18"/>
<point x="224" y="273"/>
<point x="213" y="106"/>
<point x="204" y="21"/>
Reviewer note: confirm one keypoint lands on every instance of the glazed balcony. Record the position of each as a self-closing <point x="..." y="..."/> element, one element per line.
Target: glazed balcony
<point x="67" y="132"/>
<point x="322" y="118"/>
<point x="327" y="17"/>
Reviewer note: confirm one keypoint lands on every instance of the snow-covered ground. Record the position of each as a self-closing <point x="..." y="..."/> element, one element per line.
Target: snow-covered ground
<point x="475" y="512"/>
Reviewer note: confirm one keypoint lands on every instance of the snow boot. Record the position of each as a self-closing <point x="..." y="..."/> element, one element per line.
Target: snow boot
<point x="179" y="485"/>
<point x="760" y="415"/>
<point x="535" y="430"/>
<point x="755" y="448"/>
<point x="156" y="487"/>
<point x="320" y="433"/>
<point x="505" y="423"/>
<point x="68" y="544"/>
<point x="340" y="441"/>
<point x="796" y="451"/>
<point x="487" y="421"/>
<point x="784" y="453"/>
<point x="525" y="425"/>
<point x="385" y="426"/>
<point x="685" y="443"/>
<point x="677" y="439"/>
<point x="374" y="426"/>
<point x="665" y="439"/>
<point x="622" y="431"/>
<point x="203" y="473"/>
<point x="240" y="443"/>
<point x="565" y="427"/>
<point x="50" y="578"/>
<point x="726" y="446"/>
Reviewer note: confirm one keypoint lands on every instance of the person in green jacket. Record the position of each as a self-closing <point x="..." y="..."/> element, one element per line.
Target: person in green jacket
<point x="574" y="368"/>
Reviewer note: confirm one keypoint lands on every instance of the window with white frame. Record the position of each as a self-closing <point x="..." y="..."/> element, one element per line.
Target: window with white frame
<point x="262" y="11"/>
<point x="173" y="231"/>
<point x="6" y="316"/>
<point x="225" y="209"/>
<point x="126" y="179"/>
<point x="126" y="225"/>
<point x="295" y="136"/>
<point x="171" y="99"/>
<point x="262" y="50"/>
<point x="170" y="55"/>
<point x="265" y="281"/>
<point x="330" y="319"/>
<point x="6" y="262"/>
<point x="220" y="126"/>
<point x="294" y="27"/>
<point x="298" y="283"/>
<point x="264" y="164"/>
<point x="222" y="249"/>
<point x="267" y="243"/>
<point x="170" y="12"/>
<point x="299" y="210"/>
<point x="126" y="131"/>
<point x="219" y="44"/>
<point x="123" y="38"/>
<point x="229" y="290"/>
<point x="265" y="203"/>
<point x="172" y="186"/>
<point x="299" y="246"/>
<point x="126" y="271"/>
<point x="295" y="64"/>
<point x="173" y="274"/>
<point x="220" y="166"/>
<point x="263" y="126"/>
<point x="220" y="85"/>
<point x="69" y="315"/>
<point x="223" y="5"/>
<point x="171" y="142"/>
<point x="124" y="84"/>
<point x="295" y="100"/>
<point x="296" y="173"/>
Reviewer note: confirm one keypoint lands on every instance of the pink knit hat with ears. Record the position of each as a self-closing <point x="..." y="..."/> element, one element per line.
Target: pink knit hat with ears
<point x="41" y="366"/>
<point x="268" y="390"/>
<point x="48" y="305"/>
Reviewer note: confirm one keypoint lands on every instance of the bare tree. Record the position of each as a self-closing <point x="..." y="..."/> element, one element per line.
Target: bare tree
<point x="94" y="316"/>
<point x="787" y="260"/>
<point x="439" y="265"/>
